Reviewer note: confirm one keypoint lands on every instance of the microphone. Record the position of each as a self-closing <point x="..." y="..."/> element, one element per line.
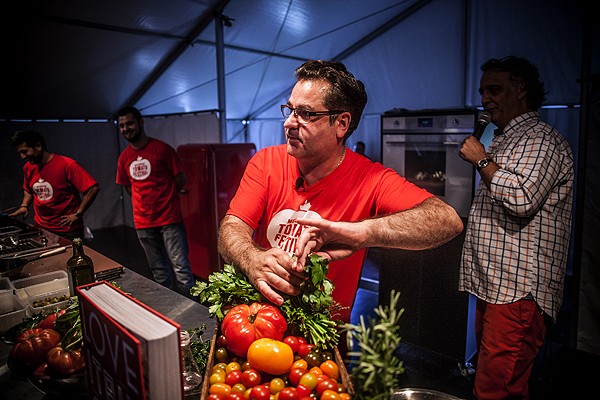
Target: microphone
<point x="482" y="121"/>
<point x="300" y="184"/>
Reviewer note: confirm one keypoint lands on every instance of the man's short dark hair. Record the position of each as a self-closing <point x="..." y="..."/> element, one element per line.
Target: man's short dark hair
<point x="521" y="70"/>
<point x="130" y="110"/>
<point x="29" y="137"/>
<point x="346" y="92"/>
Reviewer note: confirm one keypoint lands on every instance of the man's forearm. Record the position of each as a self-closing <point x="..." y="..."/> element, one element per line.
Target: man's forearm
<point x="88" y="198"/>
<point x="235" y="241"/>
<point x="424" y="226"/>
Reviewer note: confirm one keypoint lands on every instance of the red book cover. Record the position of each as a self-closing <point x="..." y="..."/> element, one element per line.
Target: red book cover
<point x="131" y="350"/>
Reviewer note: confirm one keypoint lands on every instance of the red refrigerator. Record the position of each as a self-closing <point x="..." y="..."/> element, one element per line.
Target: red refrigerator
<point x="213" y="174"/>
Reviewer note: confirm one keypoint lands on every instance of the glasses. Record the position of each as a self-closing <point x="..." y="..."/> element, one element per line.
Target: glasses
<point x="304" y="116"/>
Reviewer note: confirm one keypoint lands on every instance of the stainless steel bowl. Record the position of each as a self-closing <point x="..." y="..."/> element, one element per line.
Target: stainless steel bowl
<point x="421" y="394"/>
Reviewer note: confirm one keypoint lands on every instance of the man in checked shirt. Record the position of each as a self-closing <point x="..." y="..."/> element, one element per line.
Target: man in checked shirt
<point x="515" y="252"/>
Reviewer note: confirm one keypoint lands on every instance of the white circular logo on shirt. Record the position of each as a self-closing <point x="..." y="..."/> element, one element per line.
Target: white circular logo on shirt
<point x="140" y="169"/>
<point x="43" y="190"/>
<point x="284" y="231"/>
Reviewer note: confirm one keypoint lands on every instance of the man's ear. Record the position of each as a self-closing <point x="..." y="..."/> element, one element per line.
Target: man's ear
<point x="343" y="123"/>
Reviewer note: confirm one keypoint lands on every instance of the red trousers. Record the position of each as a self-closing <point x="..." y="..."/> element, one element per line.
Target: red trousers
<point x="509" y="337"/>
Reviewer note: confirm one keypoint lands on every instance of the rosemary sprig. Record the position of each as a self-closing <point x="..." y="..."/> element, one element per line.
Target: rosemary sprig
<point x="376" y="374"/>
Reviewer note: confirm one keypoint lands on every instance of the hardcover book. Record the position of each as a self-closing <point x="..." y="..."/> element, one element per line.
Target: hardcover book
<point x="131" y="351"/>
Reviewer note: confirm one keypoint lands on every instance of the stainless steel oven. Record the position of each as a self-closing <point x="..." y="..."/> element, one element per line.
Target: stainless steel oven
<point x="423" y="146"/>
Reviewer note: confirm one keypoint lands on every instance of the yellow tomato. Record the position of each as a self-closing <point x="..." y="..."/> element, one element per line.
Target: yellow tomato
<point x="271" y="356"/>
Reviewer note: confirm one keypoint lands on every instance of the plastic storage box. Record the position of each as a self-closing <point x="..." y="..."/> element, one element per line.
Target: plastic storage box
<point x="39" y="284"/>
<point x="6" y="293"/>
<point x="59" y="305"/>
<point x="15" y="317"/>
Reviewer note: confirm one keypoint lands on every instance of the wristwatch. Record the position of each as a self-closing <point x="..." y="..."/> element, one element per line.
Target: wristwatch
<point x="484" y="162"/>
<point x="78" y="214"/>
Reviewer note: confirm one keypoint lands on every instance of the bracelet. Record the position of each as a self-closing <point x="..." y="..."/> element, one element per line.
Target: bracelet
<point x="24" y="207"/>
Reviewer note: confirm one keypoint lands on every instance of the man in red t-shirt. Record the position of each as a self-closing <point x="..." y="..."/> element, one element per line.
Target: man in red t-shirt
<point x="53" y="184"/>
<point x="315" y="195"/>
<point x="152" y="175"/>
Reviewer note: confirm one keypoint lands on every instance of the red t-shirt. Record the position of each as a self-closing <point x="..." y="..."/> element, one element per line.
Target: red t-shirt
<point x="268" y="201"/>
<point x="55" y="187"/>
<point x="150" y="171"/>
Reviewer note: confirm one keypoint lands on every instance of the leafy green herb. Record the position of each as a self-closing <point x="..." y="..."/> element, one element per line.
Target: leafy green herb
<point x="68" y="325"/>
<point x="312" y="310"/>
<point x="226" y="288"/>
<point x="200" y="348"/>
<point x="376" y="374"/>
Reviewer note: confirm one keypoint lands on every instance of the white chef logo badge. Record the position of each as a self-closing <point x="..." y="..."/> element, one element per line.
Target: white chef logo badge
<point x="284" y="231"/>
<point x="43" y="190"/>
<point x="140" y="169"/>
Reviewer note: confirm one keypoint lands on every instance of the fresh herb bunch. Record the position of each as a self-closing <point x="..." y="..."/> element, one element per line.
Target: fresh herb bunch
<point x="376" y="373"/>
<point x="68" y="325"/>
<point x="200" y="348"/>
<point x="226" y="288"/>
<point x="312" y="310"/>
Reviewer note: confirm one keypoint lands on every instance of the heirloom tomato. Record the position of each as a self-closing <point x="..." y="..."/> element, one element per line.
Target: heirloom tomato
<point x="270" y="356"/>
<point x="65" y="363"/>
<point x="244" y="324"/>
<point x="31" y="346"/>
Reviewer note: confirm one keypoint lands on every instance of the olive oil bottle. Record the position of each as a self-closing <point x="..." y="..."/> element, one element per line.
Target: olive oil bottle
<point x="80" y="268"/>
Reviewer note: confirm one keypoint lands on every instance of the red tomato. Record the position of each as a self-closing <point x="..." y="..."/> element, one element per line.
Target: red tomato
<point x="240" y="332"/>
<point x="215" y="396"/>
<point x="221" y="341"/>
<point x="260" y="393"/>
<point x="301" y="340"/>
<point x="31" y="346"/>
<point x="235" y="396"/>
<point x="295" y="375"/>
<point x="328" y="384"/>
<point x="65" y="363"/>
<point x="293" y="342"/>
<point x="303" y="390"/>
<point x="250" y="378"/>
<point x="304" y="349"/>
<point x="288" y="393"/>
<point x="233" y="377"/>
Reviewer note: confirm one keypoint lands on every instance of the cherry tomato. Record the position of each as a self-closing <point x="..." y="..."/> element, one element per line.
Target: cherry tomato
<point x="235" y="396"/>
<point x="276" y="385"/>
<point x="215" y="396"/>
<point x="217" y="377"/>
<point x="328" y="384"/>
<point x="344" y="396"/>
<point x="341" y="388"/>
<point x="316" y="371"/>
<point x="301" y="340"/>
<point x="219" y="366"/>
<point x="233" y="378"/>
<point x="321" y="378"/>
<point x="330" y="395"/>
<point x="295" y="375"/>
<point x="220" y="388"/>
<point x="233" y="366"/>
<point x="245" y="365"/>
<point x="303" y="390"/>
<point x="304" y="349"/>
<point x="221" y="341"/>
<point x="293" y="342"/>
<point x="301" y="363"/>
<point x="221" y="355"/>
<point x="288" y="393"/>
<point x="238" y="388"/>
<point x="330" y="369"/>
<point x="309" y="380"/>
<point x="260" y="393"/>
<point x="271" y="356"/>
<point x="251" y="378"/>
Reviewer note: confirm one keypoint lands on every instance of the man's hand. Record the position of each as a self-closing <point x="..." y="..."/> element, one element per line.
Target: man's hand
<point x="331" y="240"/>
<point x="67" y="220"/>
<point x="472" y="150"/>
<point x="20" y="211"/>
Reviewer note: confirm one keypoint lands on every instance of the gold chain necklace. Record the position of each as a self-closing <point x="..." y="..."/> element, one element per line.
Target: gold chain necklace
<point x="341" y="158"/>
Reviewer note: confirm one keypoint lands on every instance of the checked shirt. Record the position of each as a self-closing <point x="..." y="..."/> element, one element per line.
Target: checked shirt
<point x="518" y="230"/>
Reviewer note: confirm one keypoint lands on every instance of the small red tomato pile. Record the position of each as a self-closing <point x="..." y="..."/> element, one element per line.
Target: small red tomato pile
<point x="254" y="361"/>
<point x="39" y="351"/>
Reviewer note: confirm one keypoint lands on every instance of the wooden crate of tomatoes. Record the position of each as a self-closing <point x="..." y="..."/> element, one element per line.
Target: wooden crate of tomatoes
<point x="263" y="352"/>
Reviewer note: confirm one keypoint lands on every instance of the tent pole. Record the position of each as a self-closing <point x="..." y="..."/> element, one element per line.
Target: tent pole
<point x="219" y="43"/>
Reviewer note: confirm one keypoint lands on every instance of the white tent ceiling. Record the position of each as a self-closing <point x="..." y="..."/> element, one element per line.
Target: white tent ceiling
<point x="73" y="59"/>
